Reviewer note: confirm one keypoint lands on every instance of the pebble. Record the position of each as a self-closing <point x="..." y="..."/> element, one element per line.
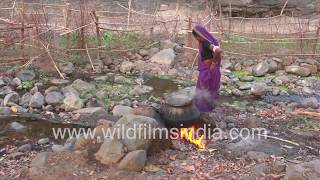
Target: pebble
<point x="43" y="141"/>
<point x="25" y="148"/>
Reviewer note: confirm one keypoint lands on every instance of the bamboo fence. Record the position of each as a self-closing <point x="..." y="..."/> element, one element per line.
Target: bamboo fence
<point x="38" y="26"/>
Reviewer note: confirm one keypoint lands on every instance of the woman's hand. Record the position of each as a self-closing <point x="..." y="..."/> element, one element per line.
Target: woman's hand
<point x="213" y="65"/>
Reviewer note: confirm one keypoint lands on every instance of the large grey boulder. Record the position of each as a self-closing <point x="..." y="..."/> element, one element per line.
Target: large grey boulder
<point x="72" y="101"/>
<point x="164" y="57"/>
<point x="134" y="139"/>
<point x="11" y="98"/>
<point x="26" y="75"/>
<point x="82" y="85"/>
<point x="110" y="152"/>
<point x="67" y="67"/>
<point x="304" y="171"/>
<point x="297" y="70"/>
<point x="121" y="110"/>
<point x="259" y="89"/>
<point x="134" y="161"/>
<point x="54" y="98"/>
<point x="5" y="90"/>
<point x="37" y="100"/>
<point x="92" y="113"/>
<point x="261" y="69"/>
<point x="126" y="67"/>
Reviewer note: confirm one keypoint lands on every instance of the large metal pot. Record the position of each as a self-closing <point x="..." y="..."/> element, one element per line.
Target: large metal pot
<point x="178" y="110"/>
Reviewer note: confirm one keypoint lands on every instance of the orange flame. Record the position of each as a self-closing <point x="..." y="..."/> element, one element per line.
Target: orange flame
<point x="189" y="135"/>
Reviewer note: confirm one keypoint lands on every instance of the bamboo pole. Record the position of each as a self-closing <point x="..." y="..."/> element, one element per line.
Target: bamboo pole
<point x="129" y="13"/>
<point x="230" y="16"/>
<point x="88" y="54"/>
<point x="67" y="14"/>
<point x="283" y="8"/>
<point x="22" y="55"/>
<point x="97" y="30"/>
<point x="190" y="29"/>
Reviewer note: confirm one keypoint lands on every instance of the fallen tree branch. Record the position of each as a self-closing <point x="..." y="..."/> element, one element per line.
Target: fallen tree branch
<point x="280" y="139"/>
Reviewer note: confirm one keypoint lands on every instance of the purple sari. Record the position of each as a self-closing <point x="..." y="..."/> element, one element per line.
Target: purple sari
<point x="208" y="84"/>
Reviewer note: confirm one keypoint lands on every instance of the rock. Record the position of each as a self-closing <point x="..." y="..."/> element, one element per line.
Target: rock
<point x="5" y="110"/>
<point x="139" y="90"/>
<point x="310" y="103"/>
<point x="72" y="100"/>
<point x="120" y="110"/>
<point x="5" y="90"/>
<point x="258" y="156"/>
<point x="102" y="78"/>
<point x="278" y="167"/>
<point x="81" y="85"/>
<point x="153" y="51"/>
<point x="59" y="82"/>
<point x="297" y="70"/>
<point x="126" y="67"/>
<point x="25" y="148"/>
<point x="134" y="161"/>
<point x="273" y="66"/>
<point x="66" y="68"/>
<point x="82" y="143"/>
<point x="226" y="64"/>
<point x="110" y="152"/>
<point x="25" y="99"/>
<point x="247" y="78"/>
<point x="26" y="75"/>
<point x="260" y="69"/>
<point x="37" y="100"/>
<point x="308" y="91"/>
<point x="17" y="126"/>
<point x="11" y="98"/>
<point x="34" y="90"/>
<point x="143" y="52"/>
<point x="163" y="7"/>
<point x="2" y="82"/>
<point x="120" y="79"/>
<point x="167" y="44"/>
<point x="280" y="80"/>
<point x="259" y="89"/>
<point x="244" y="86"/>
<point x="54" y="98"/>
<point x="16" y="155"/>
<point x="58" y="148"/>
<point x="313" y="68"/>
<point x="51" y="89"/>
<point x="16" y="82"/>
<point x="164" y="57"/>
<point x="304" y="171"/>
<point x="43" y="141"/>
<point x="102" y="94"/>
<point x="92" y="113"/>
<point x="134" y="140"/>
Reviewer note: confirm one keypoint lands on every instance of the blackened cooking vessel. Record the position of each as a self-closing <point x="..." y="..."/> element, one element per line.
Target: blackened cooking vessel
<point x="177" y="110"/>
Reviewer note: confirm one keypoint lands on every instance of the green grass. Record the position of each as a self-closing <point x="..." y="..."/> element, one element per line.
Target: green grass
<point x="258" y="79"/>
<point x="240" y="74"/>
<point x="26" y="85"/>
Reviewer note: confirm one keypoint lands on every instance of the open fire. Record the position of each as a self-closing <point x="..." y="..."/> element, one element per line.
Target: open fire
<point x="190" y="134"/>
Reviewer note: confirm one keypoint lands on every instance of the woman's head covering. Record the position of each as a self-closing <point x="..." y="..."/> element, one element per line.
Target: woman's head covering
<point x="205" y="34"/>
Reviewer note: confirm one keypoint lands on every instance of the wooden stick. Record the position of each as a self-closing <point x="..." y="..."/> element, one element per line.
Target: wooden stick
<point x="280" y="139"/>
<point x="97" y="30"/>
<point x="317" y="39"/>
<point x="22" y="31"/>
<point x="316" y="114"/>
<point x="67" y="14"/>
<point x="284" y="6"/>
<point x="129" y="13"/>
<point x="52" y="60"/>
<point x="91" y="63"/>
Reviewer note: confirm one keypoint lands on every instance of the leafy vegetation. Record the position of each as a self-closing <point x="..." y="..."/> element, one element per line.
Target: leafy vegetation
<point x="240" y="74"/>
<point x="26" y="85"/>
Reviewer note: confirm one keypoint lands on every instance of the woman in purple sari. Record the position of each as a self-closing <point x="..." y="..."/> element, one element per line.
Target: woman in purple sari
<point x="209" y="63"/>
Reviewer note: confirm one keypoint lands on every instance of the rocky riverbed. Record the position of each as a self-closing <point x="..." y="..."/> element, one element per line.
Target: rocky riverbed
<point x="280" y="95"/>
